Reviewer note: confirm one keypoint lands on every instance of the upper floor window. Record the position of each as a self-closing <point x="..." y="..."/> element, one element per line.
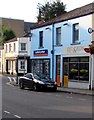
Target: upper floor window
<point x="22" y="64"/>
<point x="41" y="39"/>
<point x="23" y="46"/>
<point x="76" y="33"/>
<point x="14" y="47"/>
<point x="6" y="48"/>
<point x="58" y="36"/>
<point x="9" y="47"/>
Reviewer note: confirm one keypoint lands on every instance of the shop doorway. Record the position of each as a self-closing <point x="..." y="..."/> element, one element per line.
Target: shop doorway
<point x="58" y="69"/>
<point x="65" y="73"/>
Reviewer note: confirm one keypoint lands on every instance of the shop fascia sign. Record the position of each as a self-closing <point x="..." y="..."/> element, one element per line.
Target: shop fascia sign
<point x="41" y="52"/>
<point x="77" y="49"/>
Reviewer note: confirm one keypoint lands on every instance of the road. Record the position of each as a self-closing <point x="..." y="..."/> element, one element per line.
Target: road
<point x="19" y="103"/>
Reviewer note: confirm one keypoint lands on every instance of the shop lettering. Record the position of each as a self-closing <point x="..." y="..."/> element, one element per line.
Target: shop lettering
<point x="41" y="53"/>
<point x="75" y="49"/>
<point x="37" y="52"/>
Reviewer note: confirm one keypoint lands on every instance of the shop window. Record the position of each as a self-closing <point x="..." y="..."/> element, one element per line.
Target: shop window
<point x="77" y="68"/>
<point x="84" y="71"/>
<point x="74" y="59"/>
<point x="83" y="59"/>
<point x="58" y="36"/>
<point x="40" y="66"/>
<point x="73" y="71"/>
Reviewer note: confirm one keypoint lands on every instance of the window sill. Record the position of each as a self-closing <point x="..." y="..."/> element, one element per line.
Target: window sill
<point x="75" y="43"/>
<point x="23" y="51"/>
<point x="41" y="47"/>
<point x="58" y="45"/>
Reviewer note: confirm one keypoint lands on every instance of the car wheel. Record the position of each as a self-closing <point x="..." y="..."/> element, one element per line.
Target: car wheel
<point x="21" y="85"/>
<point x="35" y="87"/>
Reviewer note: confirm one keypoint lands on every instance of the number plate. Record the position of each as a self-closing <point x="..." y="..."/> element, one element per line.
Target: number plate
<point x="50" y="86"/>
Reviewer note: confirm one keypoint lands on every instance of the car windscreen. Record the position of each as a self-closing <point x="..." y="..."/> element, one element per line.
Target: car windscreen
<point x="36" y="76"/>
<point x="43" y="76"/>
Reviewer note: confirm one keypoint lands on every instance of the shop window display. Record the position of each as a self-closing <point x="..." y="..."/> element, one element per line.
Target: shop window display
<point x="77" y="68"/>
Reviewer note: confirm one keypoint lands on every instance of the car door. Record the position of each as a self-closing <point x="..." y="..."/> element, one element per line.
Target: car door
<point x="29" y="80"/>
<point x="26" y="80"/>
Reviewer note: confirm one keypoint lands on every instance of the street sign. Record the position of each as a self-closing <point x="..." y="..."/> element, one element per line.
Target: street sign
<point x="87" y="50"/>
<point x="90" y="30"/>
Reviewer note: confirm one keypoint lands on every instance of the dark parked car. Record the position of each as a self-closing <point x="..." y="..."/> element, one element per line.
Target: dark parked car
<point x="37" y="82"/>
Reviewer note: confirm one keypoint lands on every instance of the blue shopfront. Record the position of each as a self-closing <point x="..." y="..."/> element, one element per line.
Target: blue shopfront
<point x="40" y="62"/>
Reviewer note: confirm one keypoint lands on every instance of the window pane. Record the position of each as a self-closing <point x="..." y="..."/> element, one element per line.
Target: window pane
<point x="73" y="71"/>
<point x="74" y="59"/>
<point x="65" y="68"/>
<point x="66" y="59"/>
<point x="58" y="33"/>
<point x="84" y="59"/>
<point x="84" y="72"/>
<point x="22" y="64"/>
<point x="41" y="39"/>
<point x="23" y="46"/>
<point x="75" y="33"/>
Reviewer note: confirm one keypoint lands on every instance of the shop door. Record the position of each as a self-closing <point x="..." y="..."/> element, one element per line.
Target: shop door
<point x="7" y="66"/>
<point x="65" y="74"/>
<point x="58" y="70"/>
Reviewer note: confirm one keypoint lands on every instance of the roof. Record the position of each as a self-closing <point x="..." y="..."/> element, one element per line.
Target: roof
<point x="11" y="40"/>
<point x="78" y="12"/>
<point x="28" y="26"/>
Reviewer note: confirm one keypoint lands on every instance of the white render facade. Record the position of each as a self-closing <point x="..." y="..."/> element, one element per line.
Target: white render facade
<point x="57" y="49"/>
<point x="15" y="50"/>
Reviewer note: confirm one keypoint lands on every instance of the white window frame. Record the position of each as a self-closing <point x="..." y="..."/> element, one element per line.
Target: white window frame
<point x="22" y="64"/>
<point x="23" y="46"/>
<point x="58" y="36"/>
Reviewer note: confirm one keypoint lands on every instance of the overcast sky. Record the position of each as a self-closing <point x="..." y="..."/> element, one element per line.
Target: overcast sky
<point x="27" y="9"/>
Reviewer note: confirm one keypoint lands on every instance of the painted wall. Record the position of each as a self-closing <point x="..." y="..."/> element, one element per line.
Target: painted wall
<point x="24" y="40"/>
<point x="67" y="48"/>
<point x="47" y="43"/>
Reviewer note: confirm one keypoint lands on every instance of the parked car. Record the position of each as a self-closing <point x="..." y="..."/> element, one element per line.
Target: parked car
<point x="37" y="82"/>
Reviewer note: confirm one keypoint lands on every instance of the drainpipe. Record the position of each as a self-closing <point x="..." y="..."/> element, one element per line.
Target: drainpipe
<point x="52" y="51"/>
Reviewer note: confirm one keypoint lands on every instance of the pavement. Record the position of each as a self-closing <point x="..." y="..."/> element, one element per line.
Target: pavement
<point x="65" y="89"/>
<point x="76" y="91"/>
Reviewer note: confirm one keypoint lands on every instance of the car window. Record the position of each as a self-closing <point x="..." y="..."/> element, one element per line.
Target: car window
<point x="43" y="76"/>
<point x="36" y="76"/>
<point x="29" y="76"/>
